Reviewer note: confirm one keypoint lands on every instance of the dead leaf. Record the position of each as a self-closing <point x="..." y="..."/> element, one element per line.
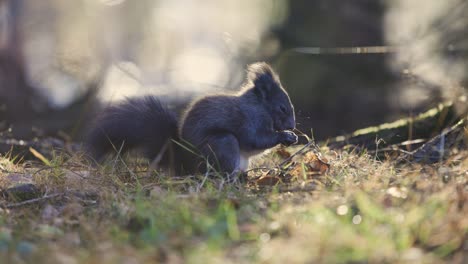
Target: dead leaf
<point x="283" y="153"/>
<point x="316" y="162"/>
<point x="39" y="156"/>
<point x="310" y="164"/>
<point x="268" y="180"/>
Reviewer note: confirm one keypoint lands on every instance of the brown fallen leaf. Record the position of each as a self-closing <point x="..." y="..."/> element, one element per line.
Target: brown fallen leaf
<point x="283" y="153"/>
<point x="316" y="162"/>
<point x="310" y="164"/>
<point x="268" y="180"/>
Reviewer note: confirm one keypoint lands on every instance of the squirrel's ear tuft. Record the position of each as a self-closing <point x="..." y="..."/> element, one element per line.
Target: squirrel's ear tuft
<point x="263" y="78"/>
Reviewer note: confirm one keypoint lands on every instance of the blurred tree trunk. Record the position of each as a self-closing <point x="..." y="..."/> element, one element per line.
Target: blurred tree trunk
<point x="24" y="112"/>
<point x="16" y="96"/>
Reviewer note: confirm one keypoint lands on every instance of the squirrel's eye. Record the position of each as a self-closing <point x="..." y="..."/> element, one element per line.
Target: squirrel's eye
<point x="282" y="109"/>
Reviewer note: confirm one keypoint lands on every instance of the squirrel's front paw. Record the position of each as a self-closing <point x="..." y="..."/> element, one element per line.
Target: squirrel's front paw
<point x="288" y="138"/>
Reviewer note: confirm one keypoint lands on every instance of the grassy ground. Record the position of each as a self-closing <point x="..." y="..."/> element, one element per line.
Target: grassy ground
<point x="362" y="210"/>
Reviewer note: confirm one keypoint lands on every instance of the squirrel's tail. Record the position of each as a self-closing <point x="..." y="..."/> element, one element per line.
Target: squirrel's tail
<point x="143" y="123"/>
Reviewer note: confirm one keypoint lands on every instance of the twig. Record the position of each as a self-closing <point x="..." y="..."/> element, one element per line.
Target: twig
<point x="389" y="149"/>
<point x="259" y="168"/>
<point x="298" y="189"/>
<point x="310" y="143"/>
<point x="31" y="201"/>
<point x="154" y="164"/>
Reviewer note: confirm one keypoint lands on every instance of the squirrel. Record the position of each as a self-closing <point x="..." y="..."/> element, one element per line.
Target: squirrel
<point x="224" y="129"/>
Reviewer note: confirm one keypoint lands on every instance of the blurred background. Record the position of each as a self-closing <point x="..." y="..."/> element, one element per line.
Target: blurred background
<point x="346" y="64"/>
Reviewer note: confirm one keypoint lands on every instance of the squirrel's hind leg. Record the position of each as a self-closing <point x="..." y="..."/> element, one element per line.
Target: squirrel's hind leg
<point x="222" y="151"/>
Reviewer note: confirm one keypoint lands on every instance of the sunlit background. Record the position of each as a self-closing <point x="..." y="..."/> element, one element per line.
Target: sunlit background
<point x="432" y="42"/>
<point x="55" y="53"/>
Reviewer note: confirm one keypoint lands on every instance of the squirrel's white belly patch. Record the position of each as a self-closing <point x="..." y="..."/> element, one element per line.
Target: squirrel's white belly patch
<point x="244" y="159"/>
<point x="243" y="163"/>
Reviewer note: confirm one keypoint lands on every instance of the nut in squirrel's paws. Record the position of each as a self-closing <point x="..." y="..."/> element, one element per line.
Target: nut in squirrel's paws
<point x="288" y="138"/>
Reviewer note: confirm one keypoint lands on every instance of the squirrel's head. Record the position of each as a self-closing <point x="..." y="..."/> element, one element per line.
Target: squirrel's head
<point x="267" y="87"/>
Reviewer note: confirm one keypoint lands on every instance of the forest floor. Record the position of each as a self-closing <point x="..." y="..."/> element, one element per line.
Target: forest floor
<point x="326" y="206"/>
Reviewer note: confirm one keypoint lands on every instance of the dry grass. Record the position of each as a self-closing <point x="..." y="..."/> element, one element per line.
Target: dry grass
<point x="361" y="210"/>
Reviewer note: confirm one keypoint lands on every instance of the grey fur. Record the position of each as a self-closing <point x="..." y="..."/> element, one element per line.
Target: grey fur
<point x="222" y="127"/>
<point x="226" y="128"/>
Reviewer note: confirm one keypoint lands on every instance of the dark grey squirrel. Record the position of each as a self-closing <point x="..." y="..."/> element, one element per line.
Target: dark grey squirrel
<point x="225" y="129"/>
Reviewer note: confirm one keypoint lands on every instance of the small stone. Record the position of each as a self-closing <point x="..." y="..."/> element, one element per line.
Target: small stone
<point x="22" y="192"/>
<point x="25" y="248"/>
